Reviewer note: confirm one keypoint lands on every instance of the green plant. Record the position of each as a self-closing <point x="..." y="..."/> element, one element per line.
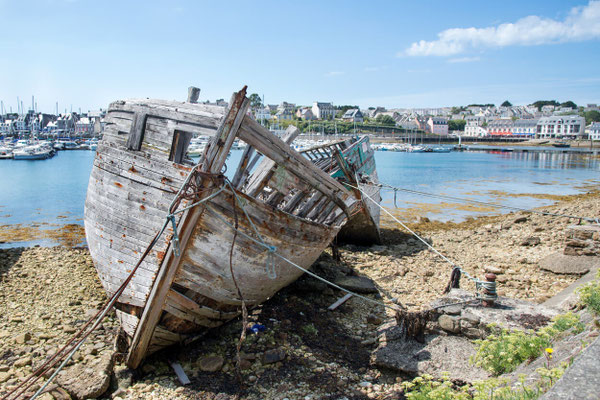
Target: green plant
<point x="425" y="387"/>
<point x="590" y="294"/>
<point x="310" y="329"/>
<point x="504" y="351"/>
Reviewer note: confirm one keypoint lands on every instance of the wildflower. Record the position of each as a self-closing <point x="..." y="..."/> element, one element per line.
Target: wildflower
<point x="549" y="350"/>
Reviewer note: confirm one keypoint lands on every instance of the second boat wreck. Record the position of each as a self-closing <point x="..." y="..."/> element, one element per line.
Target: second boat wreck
<point x="224" y="234"/>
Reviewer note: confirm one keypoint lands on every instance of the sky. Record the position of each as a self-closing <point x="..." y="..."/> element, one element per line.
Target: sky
<point x="397" y="54"/>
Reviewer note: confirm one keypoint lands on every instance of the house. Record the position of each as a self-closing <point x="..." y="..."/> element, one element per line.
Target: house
<point x="305" y="113"/>
<point x="262" y="114"/>
<point x="323" y="110"/>
<point x="353" y="115"/>
<point x="500" y="127"/>
<point x="85" y="126"/>
<point x="7" y="127"/>
<point x="474" y="126"/>
<point x="284" y="115"/>
<point x="437" y="125"/>
<point x="559" y="126"/>
<point x="594" y="131"/>
<point x="374" y="111"/>
<point x="286" y="107"/>
<point x="524" y="127"/>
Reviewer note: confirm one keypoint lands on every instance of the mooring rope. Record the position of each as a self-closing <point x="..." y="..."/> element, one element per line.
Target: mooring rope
<point x="489" y="287"/>
<point x="478" y="202"/>
<point x="69" y="349"/>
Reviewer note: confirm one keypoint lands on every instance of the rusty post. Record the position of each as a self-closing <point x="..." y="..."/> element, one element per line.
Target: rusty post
<point x="489" y="295"/>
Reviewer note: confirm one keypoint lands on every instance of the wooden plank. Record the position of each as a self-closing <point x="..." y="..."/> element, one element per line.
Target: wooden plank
<point x="215" y="159"/>
<point x="275" y="149"/>
<point x="136" y="135"/>
<point x="193" y="94"/>
<point x="185" y="303"/>
<point x="339" y="302"/>
<point x="183" y="378"/>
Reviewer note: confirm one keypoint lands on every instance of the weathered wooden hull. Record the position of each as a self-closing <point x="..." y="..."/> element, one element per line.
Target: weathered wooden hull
<point x="354" y="163"/>
<point x="296" y="209"/>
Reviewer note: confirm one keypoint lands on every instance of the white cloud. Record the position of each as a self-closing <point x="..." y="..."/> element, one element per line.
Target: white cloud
<point x="463" y="59"/>
<point x="582" y="23"/>
<point x="335" y="73"/>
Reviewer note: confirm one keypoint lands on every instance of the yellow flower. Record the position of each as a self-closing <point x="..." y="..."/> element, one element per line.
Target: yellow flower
<point x="549" y="350"/>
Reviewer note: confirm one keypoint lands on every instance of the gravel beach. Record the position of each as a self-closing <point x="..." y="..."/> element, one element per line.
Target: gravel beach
<point x="305" y="351"/>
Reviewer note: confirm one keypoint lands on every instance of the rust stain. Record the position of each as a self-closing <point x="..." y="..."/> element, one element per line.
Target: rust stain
<point x="164" y="180"/>
<point x="117" y="184"/>
<point x="132" y="169"/>
<point x="120" y="261"/>
<point x="160" y="255"/>
<point x="183" y="167"/>
<point x="142" y="208"/>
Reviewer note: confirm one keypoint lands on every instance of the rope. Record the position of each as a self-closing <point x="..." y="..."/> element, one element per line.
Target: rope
<point x="490" y="287"/>
<point x="68" y="350"/>
<point x="478" y="202"/>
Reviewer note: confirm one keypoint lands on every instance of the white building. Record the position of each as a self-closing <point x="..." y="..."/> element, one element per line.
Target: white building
<point x="262" y="114"/>
<point x="474" y="126"/>
<point x="323" y="110"/>
<point x="525" y="127"/>
<point x="594" y="131"/>
<point x="560" y="126"/>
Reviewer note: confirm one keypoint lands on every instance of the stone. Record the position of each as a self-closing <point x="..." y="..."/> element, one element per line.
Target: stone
<point x="124" y="377"/>
<point x="519" y="220"/>
<point x="449" y="324"/>
<point x="531" y="241"/>
<point x="22" y="362"/>
<point x="211" y="363"/>
<point x="565" y="264"/>
<point x="4" y="376"/>
<point x="87" y="381"/>
<point x="23" y="337"/>
<point x="358" y="284"/>
<point x="4" y="368"/>
<point x="493" y="270"/>
<point x="507" y="312"/>
<point x="374" y="319"/>
<point x="273" y="356"/>
<point x="436" y="354"/>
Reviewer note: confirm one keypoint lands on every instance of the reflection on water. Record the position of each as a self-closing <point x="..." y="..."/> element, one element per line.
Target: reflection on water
<point x="509" y="178"/>
<point x="53" y="190"/>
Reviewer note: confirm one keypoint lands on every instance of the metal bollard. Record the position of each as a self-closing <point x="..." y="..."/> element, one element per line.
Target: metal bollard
<point x="489" y="295"/>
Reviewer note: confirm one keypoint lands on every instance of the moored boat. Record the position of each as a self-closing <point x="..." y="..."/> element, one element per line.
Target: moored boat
<point x="237" y="243"/>
<point x="33" y="152"/>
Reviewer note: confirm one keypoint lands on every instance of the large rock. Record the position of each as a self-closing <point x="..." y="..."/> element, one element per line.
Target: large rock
<point x="436" y="355"/>
<point x="564" y="264"/>
<point x="87" y="381"/>
<point x="474" y="318"/>
<point x="358" y="284"/>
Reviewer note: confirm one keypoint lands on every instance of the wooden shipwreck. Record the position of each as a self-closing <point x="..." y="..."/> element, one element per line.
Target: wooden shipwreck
<point x="281" y="201"/>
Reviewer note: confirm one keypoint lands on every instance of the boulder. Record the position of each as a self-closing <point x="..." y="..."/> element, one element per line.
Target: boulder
<point x="358" y="284"/>
<point x="449" y="324"/>
<point x="564" y="264"/>
<point x="87" y="381"/>
<point x="436" y="355"/>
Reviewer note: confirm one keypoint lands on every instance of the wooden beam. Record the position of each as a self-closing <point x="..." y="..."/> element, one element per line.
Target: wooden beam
<point x="193" y="94"/>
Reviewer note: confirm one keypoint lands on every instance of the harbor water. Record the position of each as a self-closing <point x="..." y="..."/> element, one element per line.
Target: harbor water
<point x="46" y="193"/>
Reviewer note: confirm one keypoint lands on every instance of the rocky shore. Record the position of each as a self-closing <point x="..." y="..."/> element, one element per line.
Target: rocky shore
<point x="301" y="350"/>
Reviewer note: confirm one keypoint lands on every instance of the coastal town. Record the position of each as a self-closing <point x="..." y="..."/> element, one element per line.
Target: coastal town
<point x="540" y="120"/>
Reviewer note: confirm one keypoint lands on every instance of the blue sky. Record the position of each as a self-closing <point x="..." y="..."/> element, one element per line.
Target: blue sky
<point x="377" y="53"/>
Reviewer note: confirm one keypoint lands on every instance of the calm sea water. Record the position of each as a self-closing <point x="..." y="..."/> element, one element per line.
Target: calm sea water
<point x="53" y="191"/>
